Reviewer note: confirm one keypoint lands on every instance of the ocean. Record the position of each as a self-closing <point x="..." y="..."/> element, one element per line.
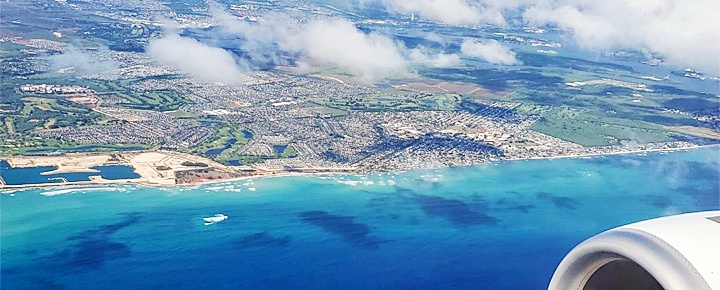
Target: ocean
<point x="497" y="226"/>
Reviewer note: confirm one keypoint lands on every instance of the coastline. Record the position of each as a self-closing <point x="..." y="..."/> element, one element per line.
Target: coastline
<point x="145" y="182"/>
<point x="616" y="153"/>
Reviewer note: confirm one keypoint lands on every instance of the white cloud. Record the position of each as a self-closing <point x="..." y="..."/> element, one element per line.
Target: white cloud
<point x="454" y="12"/>
<point x="83" y="62"/>
<point x="197" y="59"/>
<point x="437" y="60"/>
<point x="340" y="43"/>
<point x="684" y="32"/>
<point x="448" y="11"/>
<point x="434" y="37"/>
<point x="489" y="50"/>
<point x="270" y="28"/>
<point x="327" y="42"/>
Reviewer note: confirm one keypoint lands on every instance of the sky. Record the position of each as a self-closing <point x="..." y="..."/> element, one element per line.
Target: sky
<point x="684" y="33"/>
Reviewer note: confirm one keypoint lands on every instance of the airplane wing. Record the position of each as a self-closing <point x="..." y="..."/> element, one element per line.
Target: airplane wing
<point x="679" y="252"/>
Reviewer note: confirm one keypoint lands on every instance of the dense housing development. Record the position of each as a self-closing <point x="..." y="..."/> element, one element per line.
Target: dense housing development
<point x="100" y="87"/>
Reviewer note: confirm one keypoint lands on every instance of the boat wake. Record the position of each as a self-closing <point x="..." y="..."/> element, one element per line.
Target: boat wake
<point x="214" y="219"/>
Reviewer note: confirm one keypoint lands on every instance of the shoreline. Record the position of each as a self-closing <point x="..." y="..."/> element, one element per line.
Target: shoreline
<point x="614" y="153"/>
<point x="148" y="183"/>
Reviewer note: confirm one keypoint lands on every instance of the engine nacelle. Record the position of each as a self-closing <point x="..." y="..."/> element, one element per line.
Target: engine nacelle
<point x="679" y="252"/>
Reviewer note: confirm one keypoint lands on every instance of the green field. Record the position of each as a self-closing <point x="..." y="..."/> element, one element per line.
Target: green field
<point x="289" y="152"/>
<point x="38" y="113"/>
<point x="17" y="144"/>
<point x="592" y="128"/>
<point x="592" y="103"/>
<point x="159" y="100"/>
<point x="390" y="101"/>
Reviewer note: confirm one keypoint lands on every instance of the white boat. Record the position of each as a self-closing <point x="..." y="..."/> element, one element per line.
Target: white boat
<point x="214" y="219"/>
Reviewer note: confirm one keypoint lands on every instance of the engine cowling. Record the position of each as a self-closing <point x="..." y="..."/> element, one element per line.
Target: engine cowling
<point x="679" y="252"/>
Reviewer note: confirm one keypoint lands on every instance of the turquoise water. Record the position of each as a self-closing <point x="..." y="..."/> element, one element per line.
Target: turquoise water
<point x="499" y="226"/>
<point x="32" y="175"/>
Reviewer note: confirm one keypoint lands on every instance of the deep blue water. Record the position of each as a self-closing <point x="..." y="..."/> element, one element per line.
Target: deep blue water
<point x="247" y="134"/>
<point x="279" y="149"/>
<point x="498" y="226"/>
<point x="234" y="162"/>
<point x="32" y="175"/>
<point x="216" y="152"/>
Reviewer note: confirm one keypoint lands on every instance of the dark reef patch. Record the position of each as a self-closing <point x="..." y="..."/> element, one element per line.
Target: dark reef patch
<point x="705" y="198"/>
<point x="455" y="211"/>
<point x="404" y="192"/>
<point x="383" y="202"/>
<point x="10" y="271"/>
<point x="703" y="171"/>
<point x="44" y="283"/>
<point x="660" y="201"/>
<point x="523" y="208"/>
<point x="30" y="252"/>
<point x="88" y="250"/>
<point x="262" y="240"/>
<point x="506" y="204"/>
<point x="93" y="248"/>
<point x="356" y="234"/>
<point x="105" y="230"/>
<point x="559" y="201"/>
<point x="87" y="254"/>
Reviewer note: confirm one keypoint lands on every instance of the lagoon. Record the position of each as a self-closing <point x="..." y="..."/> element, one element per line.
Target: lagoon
<point x="33" y="175"/>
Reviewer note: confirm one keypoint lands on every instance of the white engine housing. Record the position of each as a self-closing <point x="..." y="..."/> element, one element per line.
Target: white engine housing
<point x="679" y="252"/>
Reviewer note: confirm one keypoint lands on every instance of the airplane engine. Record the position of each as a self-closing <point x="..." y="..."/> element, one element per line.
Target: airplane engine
<point x="679" y="252"/>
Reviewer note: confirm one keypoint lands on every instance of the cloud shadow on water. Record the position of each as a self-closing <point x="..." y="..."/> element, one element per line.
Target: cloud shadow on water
<point x="263" y="239"/>
<point x="559" y="201"/>
<point x="507" y="204"/>
<point x="659" y="201"/>
<point x="704" y="198"/>
<point x="85" y="251"/>
<point x="109" y="229"/>
<point x="92" y="248"/>
<point x="454" y="211"/>
<point x="356" y="234"/>
<point x="45" y="284"/>
<point x="698" y="171"/>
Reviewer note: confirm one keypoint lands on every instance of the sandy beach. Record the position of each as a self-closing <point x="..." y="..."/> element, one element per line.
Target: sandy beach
<point x="615" y="153"/>
<point x="156" y="168"/>
<point x="159" y="168"/>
